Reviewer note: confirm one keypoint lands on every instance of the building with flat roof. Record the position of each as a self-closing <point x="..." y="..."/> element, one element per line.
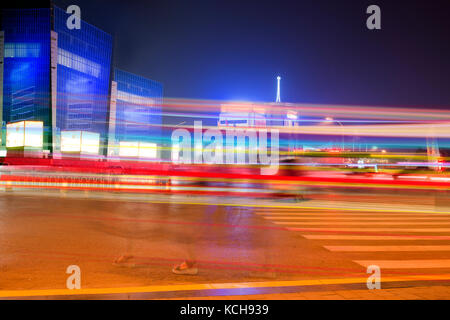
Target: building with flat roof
<point x="25" y="81"/>
<point x="82" y="81"/>
<point x="135" y="116"/>
<point x="58" y="93"/>
<point x="54" y="78"/>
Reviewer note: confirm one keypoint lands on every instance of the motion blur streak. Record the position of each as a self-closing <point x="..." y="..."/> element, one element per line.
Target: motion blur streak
<point x="354" y="186"/>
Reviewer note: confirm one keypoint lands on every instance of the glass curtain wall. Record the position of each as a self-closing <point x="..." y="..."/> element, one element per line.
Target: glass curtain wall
<point x="26" y="90"/>
<point x="83" y="77"/>
<point x="138" y="108"/>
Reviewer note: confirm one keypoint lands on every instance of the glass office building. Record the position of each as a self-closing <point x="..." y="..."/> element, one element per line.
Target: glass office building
<point x="83" y="77"/>
<point x="135" y="121"/>
<point x="58" y="80"/>
<point x="55" y="75"/>
<point x="26" y="76"/>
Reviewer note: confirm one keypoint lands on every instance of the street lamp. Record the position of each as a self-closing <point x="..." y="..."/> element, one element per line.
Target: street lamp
<point x="292" y="116"/>
<point x="330" y="119"/>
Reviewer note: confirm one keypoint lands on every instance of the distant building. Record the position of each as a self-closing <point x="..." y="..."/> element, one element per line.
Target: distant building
<point x="262" y="116"/>
<point x="135" y="116"/>
<point x="242" y="115"/>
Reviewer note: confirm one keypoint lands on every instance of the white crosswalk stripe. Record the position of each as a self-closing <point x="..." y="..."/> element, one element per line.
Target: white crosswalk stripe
<point x="388" y="240"/>
<point x="406" y="264"/>
<point x="291" y="212"/>
<point x="380" y="248"/>
<point x="371" y="237"/>
<point x="347" y="214"/>
<point x="362" y="230"/>
<point x="375" y="218"/>
<point x="364" y="224"/>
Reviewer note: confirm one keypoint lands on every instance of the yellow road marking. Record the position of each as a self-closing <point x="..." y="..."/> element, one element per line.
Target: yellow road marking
<point x="298" y="207"/>
<point x="258" y="205"/>
<point x="210" y="286"/>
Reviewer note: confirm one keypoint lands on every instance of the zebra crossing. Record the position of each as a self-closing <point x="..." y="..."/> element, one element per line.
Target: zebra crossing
<point x="397" y="240"/>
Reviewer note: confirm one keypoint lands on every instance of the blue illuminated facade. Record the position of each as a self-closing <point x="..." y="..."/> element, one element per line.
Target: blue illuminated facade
<point x="83" y="77"/>
<point x="26" y="76"/>
<point x="62" y="77"/>
<point x="138" y="108"/>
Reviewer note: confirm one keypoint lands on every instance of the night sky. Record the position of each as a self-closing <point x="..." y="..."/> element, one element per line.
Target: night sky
<point x="234" y="49"/>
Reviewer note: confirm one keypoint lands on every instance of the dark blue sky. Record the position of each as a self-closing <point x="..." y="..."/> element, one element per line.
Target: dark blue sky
<point x="233" y="49"/>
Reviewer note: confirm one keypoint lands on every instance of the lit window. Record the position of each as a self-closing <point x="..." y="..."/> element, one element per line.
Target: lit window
<point x="21" y="50"/>
<point x="78" y="63"/>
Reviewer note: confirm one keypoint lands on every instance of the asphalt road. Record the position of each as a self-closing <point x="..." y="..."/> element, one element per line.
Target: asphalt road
<point x="243" y="241"/>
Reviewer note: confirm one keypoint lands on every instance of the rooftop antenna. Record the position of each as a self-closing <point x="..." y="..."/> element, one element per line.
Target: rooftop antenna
<point x="278" y="90"/>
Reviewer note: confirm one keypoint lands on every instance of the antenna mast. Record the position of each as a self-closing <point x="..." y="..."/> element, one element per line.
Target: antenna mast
<point x="278" y="90"/>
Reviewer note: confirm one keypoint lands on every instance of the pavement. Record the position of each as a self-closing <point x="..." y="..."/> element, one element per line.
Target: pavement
<point x="245" y="248"/>
<point x="411" y="293"/>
